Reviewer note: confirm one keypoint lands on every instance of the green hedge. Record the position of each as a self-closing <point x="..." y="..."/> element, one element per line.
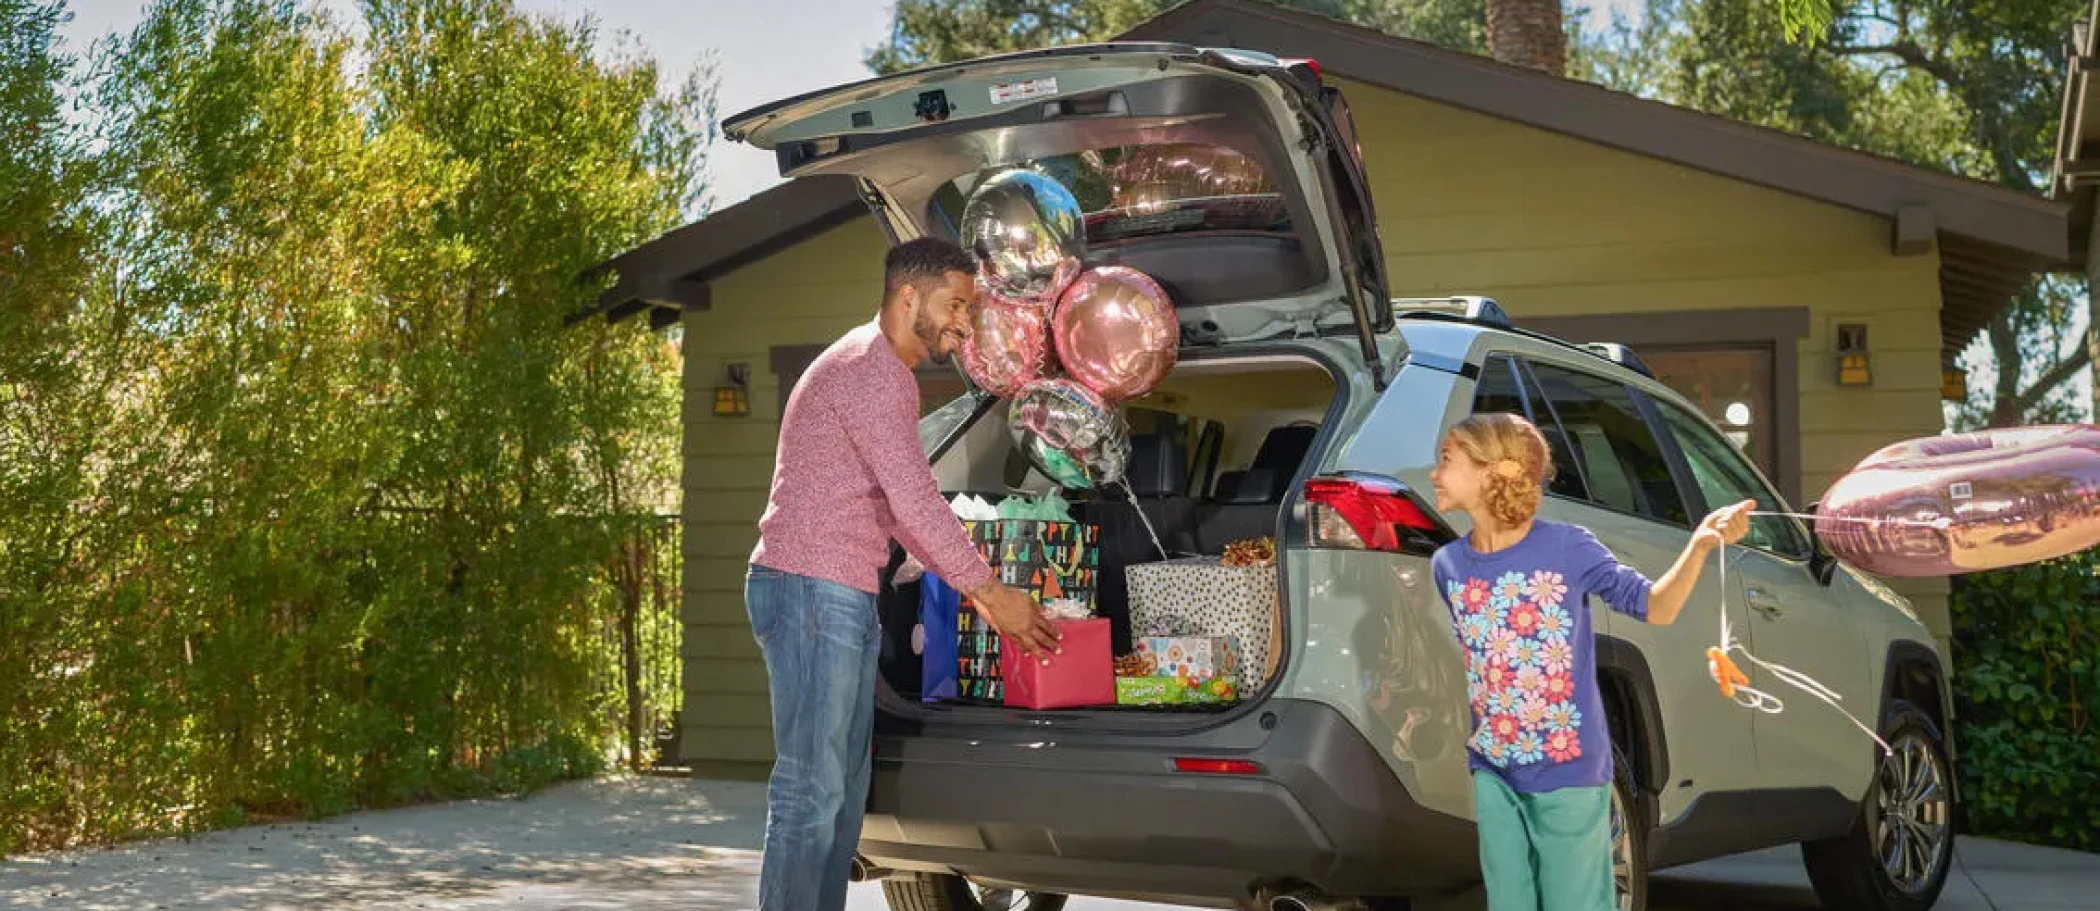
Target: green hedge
<point x="2026" y="677"/>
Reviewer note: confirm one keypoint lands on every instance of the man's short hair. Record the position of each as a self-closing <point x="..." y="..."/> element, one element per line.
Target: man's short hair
<point x="927" y="259"/>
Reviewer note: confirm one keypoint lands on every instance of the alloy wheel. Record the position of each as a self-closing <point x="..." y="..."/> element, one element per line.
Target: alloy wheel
<point x="1911" y="822"/>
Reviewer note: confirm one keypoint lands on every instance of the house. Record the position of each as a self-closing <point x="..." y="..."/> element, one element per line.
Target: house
<point x="2076" y="180"/>
<point x="1741" y="263"/>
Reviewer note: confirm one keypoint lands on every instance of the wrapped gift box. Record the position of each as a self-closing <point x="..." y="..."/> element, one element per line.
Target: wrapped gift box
<point x="1082" y="673"/>
<point x="1173" y="691"/>
<point x="1203" y="597"/>
<point x="1200" y="657"/>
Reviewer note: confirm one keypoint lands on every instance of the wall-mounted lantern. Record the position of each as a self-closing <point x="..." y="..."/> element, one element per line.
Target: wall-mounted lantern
<point x="1853" y="367"/>
<point x="734" y="400"/>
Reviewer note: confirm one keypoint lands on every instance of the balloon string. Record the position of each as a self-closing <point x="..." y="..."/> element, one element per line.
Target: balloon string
<point x="1860" y="520"/>
<point x="1139" y="508"/>
<point x="1752" y="698"/>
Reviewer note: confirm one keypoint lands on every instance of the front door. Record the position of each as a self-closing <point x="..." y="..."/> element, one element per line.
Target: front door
<point x="1792" y="620"/>
<point x="1612" y="477"/>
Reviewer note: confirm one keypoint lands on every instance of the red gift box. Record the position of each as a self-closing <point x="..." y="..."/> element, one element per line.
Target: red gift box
<point x="1083" y="673"/>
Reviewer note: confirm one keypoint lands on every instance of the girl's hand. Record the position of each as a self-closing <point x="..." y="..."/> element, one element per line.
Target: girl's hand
<point x="1726" y="525"/>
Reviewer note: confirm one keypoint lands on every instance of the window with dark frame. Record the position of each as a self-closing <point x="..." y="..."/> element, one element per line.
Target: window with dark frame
<point x="1609" y="441"/>
<point x="1723" y="478"/>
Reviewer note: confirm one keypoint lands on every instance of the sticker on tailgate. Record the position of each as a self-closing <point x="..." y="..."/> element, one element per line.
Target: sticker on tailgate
<point x="1010" y="92"/>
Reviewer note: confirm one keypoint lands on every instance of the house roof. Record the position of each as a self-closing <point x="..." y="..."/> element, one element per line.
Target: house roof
<point x="1991" y="239"/>
<point x="2076" y="179"/>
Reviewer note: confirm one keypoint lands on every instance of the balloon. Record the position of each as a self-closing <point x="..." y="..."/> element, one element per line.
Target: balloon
<point x="1006" y="347"/>
<point x="1151" y="176"/>
<point x="1068" y="433"/>
<point x="1116" y="332"/>
<point x="1027" y="232"/>
<point x="1961" y="503"/>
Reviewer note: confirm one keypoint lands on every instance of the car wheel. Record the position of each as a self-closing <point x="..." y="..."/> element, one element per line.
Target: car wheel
<point x="953" y="893"/>
<point x="1629" y="842"/>
<point x="1901" y="846"/>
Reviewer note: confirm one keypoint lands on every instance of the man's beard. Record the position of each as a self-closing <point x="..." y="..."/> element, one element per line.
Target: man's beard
<point x="929" y="335"/>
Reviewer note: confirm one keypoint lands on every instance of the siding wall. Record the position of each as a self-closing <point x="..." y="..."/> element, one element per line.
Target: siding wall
<point x="1547" y="225"/>
<point x="810" y="293"/>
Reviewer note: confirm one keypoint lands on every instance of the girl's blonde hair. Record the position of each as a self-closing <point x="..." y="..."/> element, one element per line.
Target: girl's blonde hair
<point x="1515" y="454"/>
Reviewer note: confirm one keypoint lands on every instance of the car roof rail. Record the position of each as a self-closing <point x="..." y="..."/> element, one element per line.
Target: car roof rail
<point x="1481" y="311"/>
<point x="1620" y="355"/>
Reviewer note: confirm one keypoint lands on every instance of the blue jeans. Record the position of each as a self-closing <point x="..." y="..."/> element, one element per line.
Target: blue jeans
<point x="820" y="641"/>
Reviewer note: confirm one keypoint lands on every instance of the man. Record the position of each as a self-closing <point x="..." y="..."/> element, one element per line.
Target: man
<point x="851" y="476"/>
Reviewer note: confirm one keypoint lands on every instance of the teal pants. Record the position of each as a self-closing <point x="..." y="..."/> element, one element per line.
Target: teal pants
<point x="1544" y="852"/>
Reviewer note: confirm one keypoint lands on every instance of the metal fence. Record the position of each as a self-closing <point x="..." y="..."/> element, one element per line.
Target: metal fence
<point x="643" y="688"/>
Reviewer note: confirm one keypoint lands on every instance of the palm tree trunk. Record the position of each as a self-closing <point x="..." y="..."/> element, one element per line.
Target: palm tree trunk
<point x="1528" y="33"/>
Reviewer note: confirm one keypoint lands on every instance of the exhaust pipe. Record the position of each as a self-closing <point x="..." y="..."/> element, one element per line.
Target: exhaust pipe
<point x="1302" y="900"/>
<point x="865" y="871"/>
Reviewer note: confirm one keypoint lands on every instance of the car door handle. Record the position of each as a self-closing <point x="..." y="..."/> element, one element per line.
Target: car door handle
<point x="1762" y="602"/>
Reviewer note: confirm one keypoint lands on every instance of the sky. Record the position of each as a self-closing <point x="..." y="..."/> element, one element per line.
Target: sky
<point x="763" y="49"/>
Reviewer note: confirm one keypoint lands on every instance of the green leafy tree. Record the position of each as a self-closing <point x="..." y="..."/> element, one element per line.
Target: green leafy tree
<point x="331" y="507"/>
<point x="926" y="32"/>
<point x="54" y="406"/>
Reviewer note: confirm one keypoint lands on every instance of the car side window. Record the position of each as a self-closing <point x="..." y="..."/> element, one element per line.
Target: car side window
<point x="1504" y="388"/>
<point x="1725" y="477"/>
<point x="1568" y="480"/>
<point x="1497" y="391"/>
<point x="1606" y="436"/>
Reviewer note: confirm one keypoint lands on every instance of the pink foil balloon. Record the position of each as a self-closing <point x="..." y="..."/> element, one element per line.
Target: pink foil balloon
<point x="1006" y="347"/>
<point x="1960" y="503"/>
<point x="1116" y="332"/>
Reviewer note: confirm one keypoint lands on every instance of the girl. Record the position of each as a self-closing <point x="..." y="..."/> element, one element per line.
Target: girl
<point x="1518" y="587"/>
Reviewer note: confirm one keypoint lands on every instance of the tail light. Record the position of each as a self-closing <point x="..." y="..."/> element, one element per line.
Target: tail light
<point x="1306" y="62"/>
<point x="1216" y="766"/>
<point x="1354" y="511"/>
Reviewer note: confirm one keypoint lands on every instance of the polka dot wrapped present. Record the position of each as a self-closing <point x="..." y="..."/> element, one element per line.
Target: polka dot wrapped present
<point x="1202" y="597"/>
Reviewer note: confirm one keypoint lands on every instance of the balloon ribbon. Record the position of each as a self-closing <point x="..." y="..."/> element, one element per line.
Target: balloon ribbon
<point x="1735" y="685"/>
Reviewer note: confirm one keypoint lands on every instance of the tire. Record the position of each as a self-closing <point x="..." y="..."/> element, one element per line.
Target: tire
<point x="953" y="893"/>
<point x="1629" y="841"/>
<point x="1907" y="817"/>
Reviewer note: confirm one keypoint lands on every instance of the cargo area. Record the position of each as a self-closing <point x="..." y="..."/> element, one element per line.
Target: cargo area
<point x="1214" y="452"/>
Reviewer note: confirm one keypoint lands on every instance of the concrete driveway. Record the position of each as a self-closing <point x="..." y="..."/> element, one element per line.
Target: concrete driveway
<point x="666" y="843"/>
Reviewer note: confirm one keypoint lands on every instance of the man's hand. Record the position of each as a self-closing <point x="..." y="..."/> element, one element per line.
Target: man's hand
<point x="1726" y="525"/>
<point x="1016" y="617"/>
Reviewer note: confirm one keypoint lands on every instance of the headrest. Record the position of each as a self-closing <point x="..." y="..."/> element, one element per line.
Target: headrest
<point x="1159" y="465"/>
<point x="1256" y="486"/>
<point x="1285" y="447"/>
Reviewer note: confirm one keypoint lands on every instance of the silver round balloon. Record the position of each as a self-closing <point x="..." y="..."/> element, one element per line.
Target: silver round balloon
<point x="1028" y="233"/>
<point x="1068" y="434"/>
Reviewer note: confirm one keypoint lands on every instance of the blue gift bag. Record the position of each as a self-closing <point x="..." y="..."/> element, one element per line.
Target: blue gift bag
<point x="939" y="604"/>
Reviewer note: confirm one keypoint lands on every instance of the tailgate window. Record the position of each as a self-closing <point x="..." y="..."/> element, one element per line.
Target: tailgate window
<point x="1131" y="192"/>
<point x="1209" y="222"/>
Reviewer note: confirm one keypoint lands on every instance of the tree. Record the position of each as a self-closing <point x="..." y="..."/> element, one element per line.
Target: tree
<point x="54" y="405"/>
<point x="925" y="32"/>
<point x="308" y="497"/>
<point x="1528" y="33"/>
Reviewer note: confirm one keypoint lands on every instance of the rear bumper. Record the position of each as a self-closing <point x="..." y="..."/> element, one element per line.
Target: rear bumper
<point x="1096" y="815"/>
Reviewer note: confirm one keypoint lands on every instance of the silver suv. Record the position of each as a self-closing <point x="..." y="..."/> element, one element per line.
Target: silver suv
<point x="1307" y="407"/>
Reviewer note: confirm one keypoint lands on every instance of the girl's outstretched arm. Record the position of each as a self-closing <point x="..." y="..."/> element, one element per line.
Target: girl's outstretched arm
<point x="1723" y="526"/>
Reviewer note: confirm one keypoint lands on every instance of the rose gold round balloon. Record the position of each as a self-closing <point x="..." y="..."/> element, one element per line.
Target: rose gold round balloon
<point x="1006" y="347"/>
<point x="1116" y="332"/>
<point x="1960" y="503"/>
